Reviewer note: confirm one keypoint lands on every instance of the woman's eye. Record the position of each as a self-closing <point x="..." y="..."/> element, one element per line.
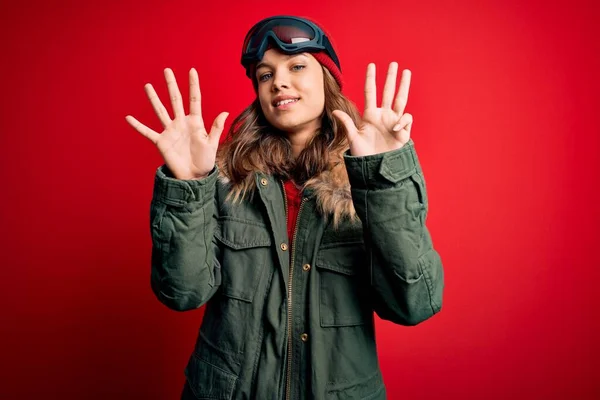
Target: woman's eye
<point x="264" y="77"/>
<point x="298" y="67"/>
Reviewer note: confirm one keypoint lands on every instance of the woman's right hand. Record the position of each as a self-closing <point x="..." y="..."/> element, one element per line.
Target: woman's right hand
<point x="189" y="152"/>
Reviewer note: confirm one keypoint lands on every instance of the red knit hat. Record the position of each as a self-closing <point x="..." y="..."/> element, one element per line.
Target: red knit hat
<point x="328" y="63"/>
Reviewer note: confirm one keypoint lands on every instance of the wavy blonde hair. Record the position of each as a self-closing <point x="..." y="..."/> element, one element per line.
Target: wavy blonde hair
<point x="252" y="144"/>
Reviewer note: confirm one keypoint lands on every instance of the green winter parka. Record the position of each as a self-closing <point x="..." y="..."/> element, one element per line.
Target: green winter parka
<point x="296" y="321"/>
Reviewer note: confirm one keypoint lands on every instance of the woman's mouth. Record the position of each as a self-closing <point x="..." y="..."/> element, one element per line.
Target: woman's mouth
<point x="285" y="104"/>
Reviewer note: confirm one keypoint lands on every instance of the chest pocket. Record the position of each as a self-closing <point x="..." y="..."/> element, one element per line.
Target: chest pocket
<point x="343" y="285"/>
<point x="246" y="250"/>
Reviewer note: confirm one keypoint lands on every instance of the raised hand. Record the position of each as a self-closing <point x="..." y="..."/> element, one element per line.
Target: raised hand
<point x="188" y="150"/>
<point x="383" y="128"/>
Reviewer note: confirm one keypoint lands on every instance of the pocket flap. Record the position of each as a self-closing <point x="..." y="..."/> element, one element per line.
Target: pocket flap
<point x="346" y="259"/>
<point x="241" y="234"/>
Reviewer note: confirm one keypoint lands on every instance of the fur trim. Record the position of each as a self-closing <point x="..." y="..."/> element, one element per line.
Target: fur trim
<point x="332" y="192"/>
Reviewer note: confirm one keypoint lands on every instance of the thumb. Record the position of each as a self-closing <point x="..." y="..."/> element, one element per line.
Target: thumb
<point x="217" y="126"/>
<point x="347" y="122"/>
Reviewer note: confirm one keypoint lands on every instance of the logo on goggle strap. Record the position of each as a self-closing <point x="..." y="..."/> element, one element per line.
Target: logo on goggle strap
<point x="300" y="39"/>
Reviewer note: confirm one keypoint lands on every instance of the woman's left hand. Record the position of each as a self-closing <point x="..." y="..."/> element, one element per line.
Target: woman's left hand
<point x="383" y="128"/>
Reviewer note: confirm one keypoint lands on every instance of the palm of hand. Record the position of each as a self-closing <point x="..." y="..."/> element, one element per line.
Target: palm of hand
<point x="185" y="147"/>
<point x="189" y="152"/>
<point x="382" y="128"/>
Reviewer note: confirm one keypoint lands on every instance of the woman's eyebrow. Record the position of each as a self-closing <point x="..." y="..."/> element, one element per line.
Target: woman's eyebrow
<point x="266" y="64"/>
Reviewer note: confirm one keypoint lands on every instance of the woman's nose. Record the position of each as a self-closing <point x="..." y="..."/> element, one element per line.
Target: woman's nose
<point x="281" y="81"/>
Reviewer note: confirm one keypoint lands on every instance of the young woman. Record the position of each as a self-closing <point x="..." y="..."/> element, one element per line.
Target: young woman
<point x="304" y="222"/>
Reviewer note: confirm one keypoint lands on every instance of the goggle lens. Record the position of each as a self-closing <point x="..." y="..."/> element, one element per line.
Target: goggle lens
<point x="287" y="31"/>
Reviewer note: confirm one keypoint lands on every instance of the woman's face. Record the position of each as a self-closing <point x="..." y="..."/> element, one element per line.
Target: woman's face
<point x="290" y="91"/>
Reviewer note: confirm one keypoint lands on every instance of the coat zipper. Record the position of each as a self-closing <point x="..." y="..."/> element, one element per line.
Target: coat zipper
<point x="289" y="363"/>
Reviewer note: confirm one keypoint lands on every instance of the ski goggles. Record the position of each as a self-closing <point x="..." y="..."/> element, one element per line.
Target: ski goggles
<point x="292" y="35"/>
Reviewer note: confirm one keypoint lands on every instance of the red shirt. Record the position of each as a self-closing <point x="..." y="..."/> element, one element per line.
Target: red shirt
<point x="294" y="197"/>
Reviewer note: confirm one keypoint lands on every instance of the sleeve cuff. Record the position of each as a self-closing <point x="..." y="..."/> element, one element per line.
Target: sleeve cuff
<point x="379" y="171"/>
<point x="178" y="192"/>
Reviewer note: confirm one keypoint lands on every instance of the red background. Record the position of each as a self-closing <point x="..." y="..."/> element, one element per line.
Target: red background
<point x="504" y="97"/>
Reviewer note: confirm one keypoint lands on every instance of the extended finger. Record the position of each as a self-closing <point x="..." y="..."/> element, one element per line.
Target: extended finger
<point x="143" y="129"/>
<point x="195" y="97"/>
<point x="217" y="127"/>
<point x="348" y="123"/>
<point x="390" y="86"/>
<point x="370" y="88"/>
<point x="405" y="123"/>
<point x="157" y="105"/>
<point x="402" y="97"/>
<point x="174" y="93"/>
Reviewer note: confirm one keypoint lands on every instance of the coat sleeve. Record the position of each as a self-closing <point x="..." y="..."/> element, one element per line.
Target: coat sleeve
<point x="185" y="267"/>
<point x="390" y="198"/>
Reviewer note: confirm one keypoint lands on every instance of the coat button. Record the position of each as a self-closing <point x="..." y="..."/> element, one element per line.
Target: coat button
<point x="306" y="267"/>
<point x="264" y="181"/>
<point x="284" y="246"/>
<point x="304" y="337"/>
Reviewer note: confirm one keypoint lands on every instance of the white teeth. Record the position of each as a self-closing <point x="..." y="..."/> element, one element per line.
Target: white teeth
<point x="282" y="102"/>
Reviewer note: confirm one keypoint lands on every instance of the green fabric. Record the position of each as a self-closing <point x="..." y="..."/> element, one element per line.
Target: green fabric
<point x="230" y="257"/>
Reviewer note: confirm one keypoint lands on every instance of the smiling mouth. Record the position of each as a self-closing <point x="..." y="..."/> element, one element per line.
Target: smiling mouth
<point x="286" y="102"/>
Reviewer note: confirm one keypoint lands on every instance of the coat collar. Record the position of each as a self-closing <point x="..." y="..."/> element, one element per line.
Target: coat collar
<point x="330" y="188"/>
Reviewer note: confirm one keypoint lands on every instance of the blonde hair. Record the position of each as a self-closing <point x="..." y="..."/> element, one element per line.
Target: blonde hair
<point x="253" y="145"/>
